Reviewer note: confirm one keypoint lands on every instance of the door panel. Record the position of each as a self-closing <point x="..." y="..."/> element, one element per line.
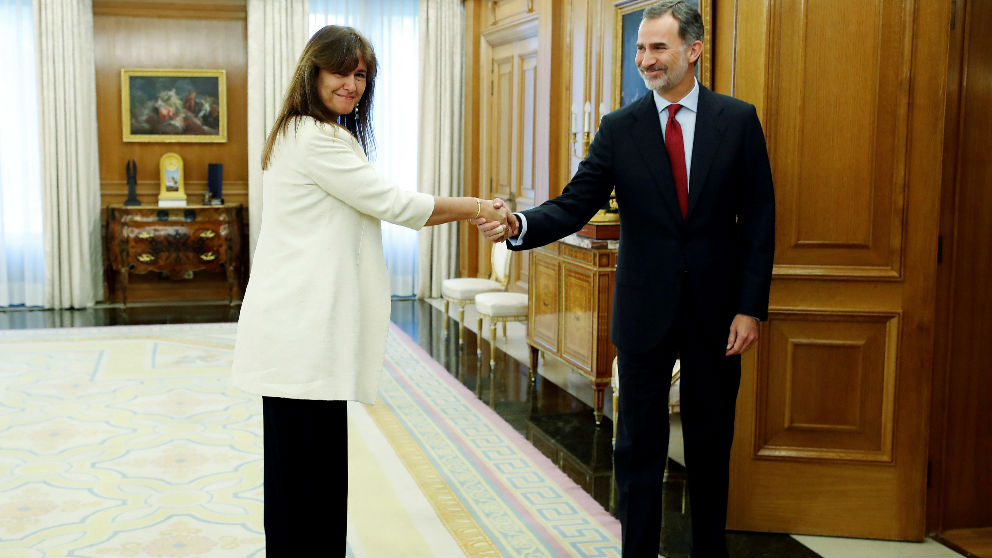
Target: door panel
<point x="838" y="135"/>
<point x="832" y="412"/>
<point x="828" y="391"/>
<point x="512" y="111"/>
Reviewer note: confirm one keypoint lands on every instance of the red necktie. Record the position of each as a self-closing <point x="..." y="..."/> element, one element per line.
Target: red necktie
<point x="676" y="156"/>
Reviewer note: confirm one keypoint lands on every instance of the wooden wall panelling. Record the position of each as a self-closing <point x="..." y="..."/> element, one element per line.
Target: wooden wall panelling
<point x="516" y="109"/>
<point x="501" y="11"/>
<point x="578" y="35"/>
<point x="961" y="452"/>
<point x="172" y="9"/>
<point x="939" y="403"/>
<point x="469" y="256"/>
<point x="852" y="297"/>
<point x="182" y="34"/>
<point x="723" y="44"/>
<point x="512" y="117"/>
<point x="509" y="167"/>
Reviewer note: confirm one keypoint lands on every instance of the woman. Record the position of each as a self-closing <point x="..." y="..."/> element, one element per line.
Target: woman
<point x="312" y="332"/>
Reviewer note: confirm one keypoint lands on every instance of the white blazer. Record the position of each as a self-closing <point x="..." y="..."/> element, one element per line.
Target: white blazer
<point x="315" y="314"/>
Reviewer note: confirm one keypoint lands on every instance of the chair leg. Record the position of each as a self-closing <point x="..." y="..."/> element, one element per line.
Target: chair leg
<point x="492" y="343"/>
<point x="461" y="325"/>
<point x="445" y="334"/>
<point x="504" y="330"/>
<point x="478" y="342"/>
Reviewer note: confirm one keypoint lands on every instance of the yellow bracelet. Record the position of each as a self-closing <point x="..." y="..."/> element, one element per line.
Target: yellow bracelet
<point x="478" y="208"/>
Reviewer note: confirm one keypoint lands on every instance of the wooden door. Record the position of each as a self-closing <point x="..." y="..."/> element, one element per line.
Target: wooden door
<point x="833" y="409"/>
<point x="512" y="109"/>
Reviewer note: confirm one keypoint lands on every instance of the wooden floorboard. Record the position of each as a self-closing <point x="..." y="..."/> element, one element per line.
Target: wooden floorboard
<point x="972" y="542"/>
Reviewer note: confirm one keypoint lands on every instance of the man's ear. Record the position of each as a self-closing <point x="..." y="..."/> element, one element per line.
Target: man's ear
<point x="695" y="51"/>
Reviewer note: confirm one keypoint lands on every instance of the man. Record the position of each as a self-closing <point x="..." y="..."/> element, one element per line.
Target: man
<point x="697" y="214"/>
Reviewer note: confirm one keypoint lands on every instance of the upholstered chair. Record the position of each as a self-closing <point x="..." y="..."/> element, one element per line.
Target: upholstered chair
<point x="499" y="307"/>
<point x="462" y="290"/>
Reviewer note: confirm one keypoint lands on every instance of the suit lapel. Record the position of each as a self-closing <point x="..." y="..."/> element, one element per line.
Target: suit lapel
<point x="650" y="143"/>
<point x="709" y="132"/>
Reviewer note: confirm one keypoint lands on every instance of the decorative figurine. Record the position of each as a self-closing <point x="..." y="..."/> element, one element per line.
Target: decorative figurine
<point x="132" y="183"/>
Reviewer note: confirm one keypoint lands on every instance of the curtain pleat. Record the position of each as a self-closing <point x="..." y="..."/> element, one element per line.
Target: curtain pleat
<point x="442" y="29"/>
<point x="277" y="33"/>
<point x="70" y="174"/>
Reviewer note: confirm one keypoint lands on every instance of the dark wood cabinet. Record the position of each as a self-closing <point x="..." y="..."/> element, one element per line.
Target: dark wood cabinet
<point x="176" y="241"/>
<point x="571" y="293"/>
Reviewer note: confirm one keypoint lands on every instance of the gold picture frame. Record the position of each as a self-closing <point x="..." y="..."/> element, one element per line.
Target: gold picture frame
<point x="172" y="192"/>
<point x="170" y="105"/>
<point x="627" y="18"/>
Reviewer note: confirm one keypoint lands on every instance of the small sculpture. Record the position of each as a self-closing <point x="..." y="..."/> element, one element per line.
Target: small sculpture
<point x="132" y="183"/>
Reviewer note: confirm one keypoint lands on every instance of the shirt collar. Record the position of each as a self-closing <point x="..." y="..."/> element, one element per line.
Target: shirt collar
<point x="690" y="101"/>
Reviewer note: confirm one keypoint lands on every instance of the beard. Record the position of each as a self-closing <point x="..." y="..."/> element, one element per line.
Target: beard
<point x="671" y="77"/>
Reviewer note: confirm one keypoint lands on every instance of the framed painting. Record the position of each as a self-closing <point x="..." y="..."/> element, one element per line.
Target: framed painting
<point x="160" y="105"/>
<point x="628" y="85"/>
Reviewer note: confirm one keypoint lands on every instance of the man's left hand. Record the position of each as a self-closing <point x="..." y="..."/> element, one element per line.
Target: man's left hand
<point x="743" y="334"/>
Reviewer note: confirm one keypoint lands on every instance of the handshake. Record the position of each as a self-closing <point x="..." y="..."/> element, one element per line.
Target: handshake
<point x="495" y="222"/>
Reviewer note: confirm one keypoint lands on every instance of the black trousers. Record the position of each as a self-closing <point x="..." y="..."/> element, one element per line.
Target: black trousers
<point x="708" y="391"/>
<point x="306" y="477"/>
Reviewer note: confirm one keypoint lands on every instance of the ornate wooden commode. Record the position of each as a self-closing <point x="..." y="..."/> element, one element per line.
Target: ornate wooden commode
<point x="174" y="240"/>
<point x="571" y="293"/>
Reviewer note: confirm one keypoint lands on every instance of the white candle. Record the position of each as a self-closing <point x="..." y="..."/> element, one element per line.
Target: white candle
<point x="574" y="122"/>
<point x="587" y="117"/>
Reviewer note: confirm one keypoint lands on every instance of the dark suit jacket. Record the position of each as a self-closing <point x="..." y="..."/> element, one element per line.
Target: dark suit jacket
<point x="723" y="249"/>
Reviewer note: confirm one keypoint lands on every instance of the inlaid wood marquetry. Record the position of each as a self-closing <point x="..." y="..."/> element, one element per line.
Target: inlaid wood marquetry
<point x="175" y="241"/>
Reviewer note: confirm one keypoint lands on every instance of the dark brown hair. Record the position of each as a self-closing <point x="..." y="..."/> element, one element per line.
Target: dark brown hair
<point x="335" y="49"/>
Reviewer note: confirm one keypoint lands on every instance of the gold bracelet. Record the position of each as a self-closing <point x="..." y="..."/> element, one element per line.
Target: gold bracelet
<point x="478" y="208"/>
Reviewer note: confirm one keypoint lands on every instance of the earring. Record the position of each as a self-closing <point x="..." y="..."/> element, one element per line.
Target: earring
<point x="356" y="112"/>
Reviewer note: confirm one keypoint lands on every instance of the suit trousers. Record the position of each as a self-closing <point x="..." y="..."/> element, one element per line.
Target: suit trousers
<point x="709" y="383"/>
<point x="305" y="476"/>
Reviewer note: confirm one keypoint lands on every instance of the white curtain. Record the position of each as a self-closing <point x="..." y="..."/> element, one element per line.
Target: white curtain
<point x="277" y="33"/>
<point x="442" y="43"/>
<point x="22" y="252"/>
<point x="70" y="173"/>
<point x="392" y="28"/>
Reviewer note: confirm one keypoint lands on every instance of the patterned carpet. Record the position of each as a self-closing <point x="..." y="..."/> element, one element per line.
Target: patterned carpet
<point x="130" y="441"/>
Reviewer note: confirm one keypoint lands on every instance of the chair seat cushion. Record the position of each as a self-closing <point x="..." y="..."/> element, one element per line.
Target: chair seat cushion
<point x="467" y="287"/>
<point x="501" y="304"/>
